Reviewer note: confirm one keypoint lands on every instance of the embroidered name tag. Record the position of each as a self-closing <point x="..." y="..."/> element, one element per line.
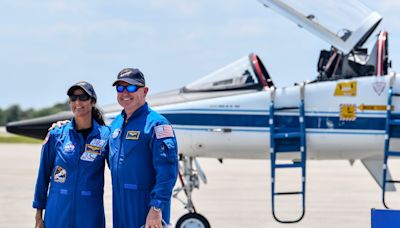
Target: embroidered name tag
<point x="86" y="156"/>
<point x="133" y="135"/>
<point x="91" y="152"/>
<point x="97" y="142"/>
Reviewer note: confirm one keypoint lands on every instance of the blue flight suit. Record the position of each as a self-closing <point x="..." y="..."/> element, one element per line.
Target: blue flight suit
<point x="144" y="166"/>
<point x="75" y="170"/>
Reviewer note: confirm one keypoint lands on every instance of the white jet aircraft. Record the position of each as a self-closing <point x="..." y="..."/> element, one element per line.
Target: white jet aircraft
<point x="350" y="111"/>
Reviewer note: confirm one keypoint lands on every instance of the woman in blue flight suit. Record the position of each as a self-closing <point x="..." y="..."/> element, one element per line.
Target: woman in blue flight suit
<point x="72" y="161"/>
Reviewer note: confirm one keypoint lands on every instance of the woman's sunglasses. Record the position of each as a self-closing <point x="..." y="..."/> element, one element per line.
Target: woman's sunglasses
<point x="129" y="88"/>
<point x="82" y="97"/>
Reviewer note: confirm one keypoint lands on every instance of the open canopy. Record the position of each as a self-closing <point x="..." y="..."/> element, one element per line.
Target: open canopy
<point x="344" y="24"/>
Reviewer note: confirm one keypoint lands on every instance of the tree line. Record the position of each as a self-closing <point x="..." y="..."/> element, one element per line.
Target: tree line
<point x="15" y="112"/>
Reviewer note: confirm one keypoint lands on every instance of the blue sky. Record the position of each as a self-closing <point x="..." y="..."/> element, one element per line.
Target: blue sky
<point x="48" y="45"/>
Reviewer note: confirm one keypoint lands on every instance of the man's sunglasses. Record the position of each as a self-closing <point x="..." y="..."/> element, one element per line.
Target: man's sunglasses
<point x="129" y="88"/>
<point x="82" y="97"/>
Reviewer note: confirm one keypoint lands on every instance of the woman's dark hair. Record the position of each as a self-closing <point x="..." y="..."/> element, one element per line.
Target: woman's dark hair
<point x="97" y="115"/>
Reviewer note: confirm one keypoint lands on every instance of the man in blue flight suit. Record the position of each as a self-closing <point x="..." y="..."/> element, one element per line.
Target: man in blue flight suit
<point x="143" y="157"/>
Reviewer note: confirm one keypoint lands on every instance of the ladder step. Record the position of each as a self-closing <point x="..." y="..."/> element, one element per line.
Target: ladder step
<point x="288" y="193"/>
<point x="292" y="165"/>
<point x="287" y="135"/>
<point x="393" y="181"/>
<point x="393" y="153"/>
<point x="394" y="122"/>
<point x="396" y="94"/>
<point x="285" y="108"/>
<point x="287" y="151"/>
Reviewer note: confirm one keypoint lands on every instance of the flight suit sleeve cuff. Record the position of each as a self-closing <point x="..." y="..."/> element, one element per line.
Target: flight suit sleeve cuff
<point x="157" y="203"/>
<point x="38" y="205"/>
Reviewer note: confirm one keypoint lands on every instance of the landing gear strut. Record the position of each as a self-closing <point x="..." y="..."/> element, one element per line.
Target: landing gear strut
<point x="190" y="179"/>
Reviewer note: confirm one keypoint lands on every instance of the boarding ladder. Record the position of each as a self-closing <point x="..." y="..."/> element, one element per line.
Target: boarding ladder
<point x="287" y="137"/>
<point x="392" y="131"/>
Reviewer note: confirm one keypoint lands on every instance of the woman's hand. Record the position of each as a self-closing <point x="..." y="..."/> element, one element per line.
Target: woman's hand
<point x="39" y="223"/>
<point x="38" y="218"/>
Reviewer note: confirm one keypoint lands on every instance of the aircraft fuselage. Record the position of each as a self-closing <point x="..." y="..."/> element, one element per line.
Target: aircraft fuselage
<point x="345" y="119"/>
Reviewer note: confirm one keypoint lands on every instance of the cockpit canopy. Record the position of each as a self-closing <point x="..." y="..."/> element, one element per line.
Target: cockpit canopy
<point x="243" y="74"/>
<point x="346" y="25"/>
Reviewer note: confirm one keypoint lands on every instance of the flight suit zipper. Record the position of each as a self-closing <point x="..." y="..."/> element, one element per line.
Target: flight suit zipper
<point x="76" y="179"/>
<point x="121" y="189"/>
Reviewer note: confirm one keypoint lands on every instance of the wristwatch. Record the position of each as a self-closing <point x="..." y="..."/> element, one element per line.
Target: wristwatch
<point x="156" y="209"/>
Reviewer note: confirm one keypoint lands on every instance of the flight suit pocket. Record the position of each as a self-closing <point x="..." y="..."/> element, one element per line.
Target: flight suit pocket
<point x="58" y="208"/>
<point x="169" y="148"/>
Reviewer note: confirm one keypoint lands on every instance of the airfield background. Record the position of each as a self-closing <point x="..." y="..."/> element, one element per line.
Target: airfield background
<point x="237" y="195"/>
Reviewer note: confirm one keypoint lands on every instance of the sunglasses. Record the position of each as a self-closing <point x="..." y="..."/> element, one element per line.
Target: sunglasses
<point x="129" y="88"/>
<point x="82" y="97"/>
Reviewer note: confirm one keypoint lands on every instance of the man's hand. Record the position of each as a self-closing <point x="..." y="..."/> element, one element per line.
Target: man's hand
<point x="153" y="219"/>
<point x="58" y="124"/>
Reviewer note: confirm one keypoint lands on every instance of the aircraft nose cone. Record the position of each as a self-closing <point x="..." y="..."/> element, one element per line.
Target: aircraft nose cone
<point x="13" y="127"/>
<point x="27" y="128"/>
<point x="37" y="127"/>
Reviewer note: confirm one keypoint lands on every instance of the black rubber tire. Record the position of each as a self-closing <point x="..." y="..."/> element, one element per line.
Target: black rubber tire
<point x="201" y="219"/>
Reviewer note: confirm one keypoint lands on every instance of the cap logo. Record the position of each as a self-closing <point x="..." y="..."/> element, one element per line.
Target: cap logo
<point x="125" y="74"/>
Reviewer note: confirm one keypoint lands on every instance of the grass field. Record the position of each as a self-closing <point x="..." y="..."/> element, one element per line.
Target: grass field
<point x="18" y="139"/>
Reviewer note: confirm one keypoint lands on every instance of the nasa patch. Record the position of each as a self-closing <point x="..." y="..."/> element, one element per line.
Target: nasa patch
<point x="60" y="174"/>
<point x="69" y="147"/>
<point x="116" y="133"/>
<point x="98" y="142"/>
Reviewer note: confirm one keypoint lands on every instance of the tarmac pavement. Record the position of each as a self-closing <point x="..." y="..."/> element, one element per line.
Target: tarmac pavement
<point x="237" y="194"/>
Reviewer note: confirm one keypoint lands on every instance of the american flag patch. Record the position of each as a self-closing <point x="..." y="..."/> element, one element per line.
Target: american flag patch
<point x="163" y="131"/>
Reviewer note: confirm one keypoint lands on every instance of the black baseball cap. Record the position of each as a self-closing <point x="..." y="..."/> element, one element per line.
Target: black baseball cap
<point x="86" y="86"/>
<point x="132" y="76"/>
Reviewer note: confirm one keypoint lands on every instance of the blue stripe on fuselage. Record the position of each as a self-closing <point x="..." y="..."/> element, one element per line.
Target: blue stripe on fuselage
<point x="284" y="121"/>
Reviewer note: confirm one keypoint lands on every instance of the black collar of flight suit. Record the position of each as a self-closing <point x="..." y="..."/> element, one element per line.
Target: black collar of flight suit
<point x="95" y="128"/>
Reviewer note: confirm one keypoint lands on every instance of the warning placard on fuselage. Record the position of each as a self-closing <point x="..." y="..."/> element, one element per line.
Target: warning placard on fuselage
<point x="346" y="89"/>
